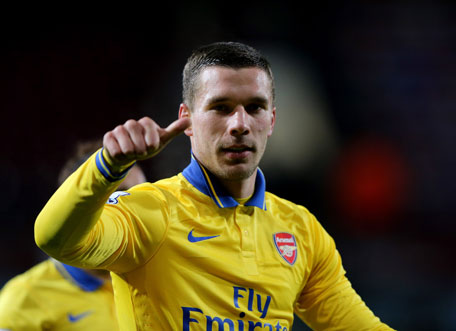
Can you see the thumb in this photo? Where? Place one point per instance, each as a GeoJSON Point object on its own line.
{"type": "Point", "coordinates": [174, 129]}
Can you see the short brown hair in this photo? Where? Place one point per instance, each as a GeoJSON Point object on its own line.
{"type": "Point", "coordinates": [226, 54]}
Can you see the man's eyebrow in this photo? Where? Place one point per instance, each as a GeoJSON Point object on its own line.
{"type": "Point", "coordinates": [260, 100]}
{"type": "Point", "coordinates": [214, 100]}
{"type": "Point", "coordinates": [257, 99]}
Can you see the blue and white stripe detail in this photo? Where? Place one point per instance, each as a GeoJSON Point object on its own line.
{"type": "Point", "coordinates": [103, 167]}
{"type": "Point", "coordinates": [207, 184]}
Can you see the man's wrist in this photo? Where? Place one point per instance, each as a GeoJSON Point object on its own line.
{"type": "Point", "coordinates": [111, 170]}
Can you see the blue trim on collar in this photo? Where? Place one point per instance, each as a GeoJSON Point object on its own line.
{"type": "Point", "coordinates": [83, 279]}
{"type": "Point", "coordinates": [208, 184]}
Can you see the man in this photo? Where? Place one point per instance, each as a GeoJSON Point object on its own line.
{"type": "Point", "coordinates": [55, 296]}
{"type": "Point", "coordinates": [209, 248]}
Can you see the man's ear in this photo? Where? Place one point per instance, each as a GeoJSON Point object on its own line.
{"type": "Point", "coordinates": [184, 111]}
{"type": "Point", "coordinates": [273, 118]}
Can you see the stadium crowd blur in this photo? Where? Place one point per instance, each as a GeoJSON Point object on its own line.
{"type": "Point", "coordinates": [365, 123]}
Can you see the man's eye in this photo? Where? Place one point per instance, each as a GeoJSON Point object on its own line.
{"type": "Point", "coordinates": [253, 107]}
{"type": "Point", "coordinates": [223, 108]}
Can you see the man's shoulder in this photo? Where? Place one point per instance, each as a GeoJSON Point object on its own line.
{"type": "Point", "coordinates": [278, 205]}
{"type": "Point", "coordinates": [154, 188]}
{"type": "Point", "coordinates": [38, 279]}
{"type": "Point", "coordinates": [274, 199]}
{"type": "Point", "coordinates": [177, 186]}
{"type": "Point", "coordinates": [34, 276]}
{"type": "Point", "coordinates": [162, 184]}
{"type": "Point", "coordinates": [293, 213]}
{"type": "Point", "coordinates": [166, 192]}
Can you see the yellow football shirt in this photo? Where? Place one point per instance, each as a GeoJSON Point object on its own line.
{"type": "Point", "coordinates": [186, 256]}
{"type": "Point", "coordinates": [54, 296]}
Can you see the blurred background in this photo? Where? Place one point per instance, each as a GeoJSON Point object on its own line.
{"type": "Point", "coordinates": [365, 123]}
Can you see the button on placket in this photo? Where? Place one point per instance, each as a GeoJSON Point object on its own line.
{"type": "Point", "coordinates": [243, 217]}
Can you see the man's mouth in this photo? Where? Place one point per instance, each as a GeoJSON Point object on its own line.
{"type": "Point", "coordinates": [238, 149]}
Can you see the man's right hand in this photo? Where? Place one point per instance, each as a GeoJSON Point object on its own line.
{"type": "Point", "coordinates": [139, 140]}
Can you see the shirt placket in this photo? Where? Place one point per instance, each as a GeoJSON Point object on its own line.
{"type": "Point", "coordinates": [244, 219]}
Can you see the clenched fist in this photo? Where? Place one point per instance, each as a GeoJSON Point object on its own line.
{"type": "Point", "coordinates": [139, 140]}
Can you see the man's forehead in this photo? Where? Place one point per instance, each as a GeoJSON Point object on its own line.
{"type": "Point", "coordinates": [221, 72]}
{"type": "Point", "coordinates": [215, 81]}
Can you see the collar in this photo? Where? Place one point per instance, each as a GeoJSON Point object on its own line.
{"type": "Point", "coordinates": [79, 277]}
{"type": "Point", "coordinates": [208, 184]}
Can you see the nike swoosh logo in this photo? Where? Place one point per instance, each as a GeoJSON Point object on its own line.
{"type": "Point", "coordinates": [194, 239]}
{"type": "Point", "coordinates": [74, 318]}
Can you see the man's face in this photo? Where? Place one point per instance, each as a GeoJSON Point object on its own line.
{"type": "Point", "coordinates": [232, 118]}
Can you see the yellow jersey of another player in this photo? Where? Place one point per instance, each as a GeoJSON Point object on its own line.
{"type": "Point", "coordinates": [187, 256]}
{"type": "Point", "coordinates": [54, 296]}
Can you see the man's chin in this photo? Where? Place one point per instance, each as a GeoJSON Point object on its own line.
{"type": "Point", "coordinates": [236, 172]}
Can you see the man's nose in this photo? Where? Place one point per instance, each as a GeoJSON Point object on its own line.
{"type": "Point", "coordinates": [238, 125]}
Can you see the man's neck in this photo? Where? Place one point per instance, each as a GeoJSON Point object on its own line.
{"type": "Point", "coordinates": [239, 189]}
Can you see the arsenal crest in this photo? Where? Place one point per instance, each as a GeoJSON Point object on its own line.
{"type": "Point", "coordinates": [286, 246]}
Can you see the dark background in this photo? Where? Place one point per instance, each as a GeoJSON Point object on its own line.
{"type": "Point", "coordinates": [364, 138]}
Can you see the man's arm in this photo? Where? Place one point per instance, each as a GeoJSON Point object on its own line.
{"type": "Point", "coordinates": [72, 214]}
{"type": "Point", "coordinates": [328, 301]}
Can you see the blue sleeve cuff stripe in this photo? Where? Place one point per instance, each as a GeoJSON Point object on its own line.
{"type": "Point", "coordinates": [105, 171]}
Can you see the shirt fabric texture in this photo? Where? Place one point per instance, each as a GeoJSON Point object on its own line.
{"type": "Point", "coordinates": [185, 255]}
{"type": "Point", "coordinates": [54, 296]}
